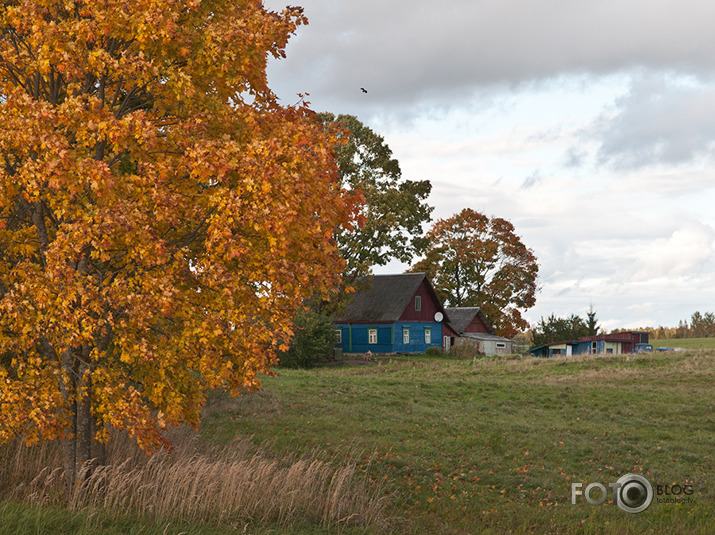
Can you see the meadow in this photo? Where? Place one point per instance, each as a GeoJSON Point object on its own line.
{"type": "Point", "coordinates": [416, 445]}
{"type": "Point", "coordinates": [686, 343]}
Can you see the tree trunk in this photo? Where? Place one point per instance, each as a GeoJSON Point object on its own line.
{"type": "Point", "coordinates": [68, 452]}
{"type": "Point", "coordinates": [83, 433]}
{"type": "Point", "coordinates": [67, 388]}
{"type": "Point", "coordinates": [99, 450]}
{"type": "Point", "coordinates": [77, 446]}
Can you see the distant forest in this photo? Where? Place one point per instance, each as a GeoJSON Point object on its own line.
{"type": "Point", "coordinates": [699, 326]}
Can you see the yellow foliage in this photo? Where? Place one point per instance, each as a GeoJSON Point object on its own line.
{"type": "Point", "coordinates": [161, 215]}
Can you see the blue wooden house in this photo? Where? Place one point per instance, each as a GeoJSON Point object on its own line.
{"type": "Point", "coordinates": [395, 314]}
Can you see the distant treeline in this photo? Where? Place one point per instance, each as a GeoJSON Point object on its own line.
{"type": "Point", "coordinates": [699, 326]}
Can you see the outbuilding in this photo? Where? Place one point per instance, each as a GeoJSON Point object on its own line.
{"type": "Point", "coordinates": [613, 344]}
{"type": "Point", "coordinates": [472, 327]}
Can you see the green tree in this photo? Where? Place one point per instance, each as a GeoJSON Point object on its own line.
{"type": "Point", "coordinates": [313, 340]}
{"type": "Point", "coordinates": [555, 329]}
{"type": "Point", "coordinates": [473, 260]}
{"type": "Point", "coordinates": [592, 322]}
{"type": "Point", "coordinates": [394, 210]}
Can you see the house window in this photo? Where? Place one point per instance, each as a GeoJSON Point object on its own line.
{"type": "Point", "coordinates": [594, 347]}
{"type": "Point", "coordinates": [372, 336]}
{"type": "Point", "coordinates": [428, 336]}
{"type": "Point", "coordinates": [405, 336]}
{"type": "Point", "coordinates": [501, 345]}
{"type": "Point", "coordinates": [338, 336]}
{"type": "Point", "coordinates": [555, 351]}
{"type": "Point", "coordinates": [418, 303]}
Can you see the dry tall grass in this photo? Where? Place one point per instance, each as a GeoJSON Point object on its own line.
{"type": "Point", "coordinates": [240, 483]}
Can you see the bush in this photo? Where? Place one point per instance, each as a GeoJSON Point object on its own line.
{"type": "Point", "coordinates": [313, 340]}
{"type": "Point", "coordinates": [433, 351]}
{"type": "Point", "coordinates": [465, 352]}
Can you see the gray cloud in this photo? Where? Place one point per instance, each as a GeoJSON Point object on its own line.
{"type": "Point", "coordinates": [424, 53]}
{"type": "Point", "coordinates": [442, 65]}
{"type": "Point", "coordinates": [574, 157]}
{"type": "Point", "coordinates": [531, 180]}
{"type": "Point", "coordinates": [661, 121]}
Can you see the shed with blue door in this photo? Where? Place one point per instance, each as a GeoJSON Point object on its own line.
{"type": "Point", "coordinates": [392, 314]}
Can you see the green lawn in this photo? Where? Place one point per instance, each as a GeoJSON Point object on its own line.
{"type": "Point", "coordinates": [23, 519]}
{"type": "Point", "coordinates": [478, 446]}
{"type": "Point", "coordinates": [473, 446]}
{"type": "Point", "coordinates": [686, 343]}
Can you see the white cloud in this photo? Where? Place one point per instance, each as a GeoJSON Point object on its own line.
{"type": "Point", "coordinates": [684, 251]}
{"type": "Point", "coordinates": [589, 125]}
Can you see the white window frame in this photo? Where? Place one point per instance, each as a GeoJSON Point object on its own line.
{"type": "Point", "coordinates": [372, 336]}
{"type": "Point", "coordinates": [405, 335]}
{"type": "Point", "coordinates": [338, 336]}
{"type": "Point", "coordinates": [501, 345]}
{"type": "Point", "coordinates": [428, 335]}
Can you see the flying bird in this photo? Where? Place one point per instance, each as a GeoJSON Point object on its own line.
{"type": "Point", "coordinates": [363, 90]}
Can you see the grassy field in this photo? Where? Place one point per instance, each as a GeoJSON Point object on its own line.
{"type": "Point", "coordinates": [467, 446]}
{"type": "Point", "coordinates": [686, 343]}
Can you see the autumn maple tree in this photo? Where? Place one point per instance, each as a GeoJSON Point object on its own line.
{"type": "Point", "coordinates": [477, 261]}
{"type": "Point", "coordinates": [161, 216]}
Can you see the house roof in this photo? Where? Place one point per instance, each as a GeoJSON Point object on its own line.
{"type": "Point", "coordinates": [460, 318]}
{"type": "Point", "coordinates": [613, 337]}
{"type": "Point", "coordinates": [385, 300]}
{"type": "Point", "coordinates": [486, 337]}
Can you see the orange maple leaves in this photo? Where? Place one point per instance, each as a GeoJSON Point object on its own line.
{"type": "Point", "coordinates": [161, 216]}
{"type": "Point", "coordinates": [477, 261]}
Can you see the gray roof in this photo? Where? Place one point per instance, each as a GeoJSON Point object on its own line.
{"type": "Point", "coordinates": [486, 337]}
{"type": "Point", "coordinates": [460, 318]}
{"type": "Point", "coordinates": [384, 301]}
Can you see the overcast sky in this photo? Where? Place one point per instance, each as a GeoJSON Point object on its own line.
{"type": "Point", "coordinates": [589, 125]}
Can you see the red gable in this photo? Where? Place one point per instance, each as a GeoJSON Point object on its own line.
{"type": "Point", "coordinates": [426, 301]}
{"type": "Point", "coordinates": [476, 326]}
